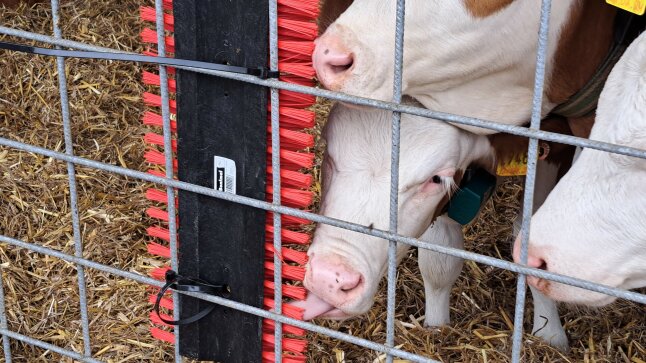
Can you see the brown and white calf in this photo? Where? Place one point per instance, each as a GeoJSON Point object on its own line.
{"type": "Point", "coordinates": [473, 58]}
{"type": "Point", "coordinates": [592, 224]}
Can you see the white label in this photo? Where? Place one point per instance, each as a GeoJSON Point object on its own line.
{"type": "Point", "coordinates": [225, 174]}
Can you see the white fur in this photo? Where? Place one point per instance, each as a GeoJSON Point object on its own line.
{"type": "Point", "coordinates": [440, 271]}
{"type": "Point", "coordinates": [356, 184]}
{"type": "Point", "coordinates": [453, 61]}
{"type": "Point", "coordinates": [592, 224]}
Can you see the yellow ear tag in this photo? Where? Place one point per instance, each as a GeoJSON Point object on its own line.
{"type": "Point", "coordinates": [516, 167]}
{"type": "Point", "coordinates": [634, 6]}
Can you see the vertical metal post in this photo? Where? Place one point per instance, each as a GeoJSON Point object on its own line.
{"type": "Point", "coordinates": [3, 323]}
{"type": "Point", "coordinates": [275, 164]}
{"type": "Point", "coordinates": [71, 173]}
{"type": "Point", "coordinates": [528, 197]}
{"type": "Point", "coordinates": [394, 177]}
{"type": "Point", "coordinates": [168, 157]}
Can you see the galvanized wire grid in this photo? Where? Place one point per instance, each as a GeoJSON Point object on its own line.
{"type": "Point", "coordinates": [391, 235]}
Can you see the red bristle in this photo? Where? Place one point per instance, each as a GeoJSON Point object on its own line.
{"type": "Point", "coordinates": [157, 157]}
{"type": "Point", "coordinates": [287, 235]}
{"type": "Point", "coordinates": [288, 254]}
{"type": "Point", "coordinates": [290, 344]}
{"type": "Point", "coordinates": [156, 139]}
{"type": "Point", "coordinates": [153, 119]}
{"type": "Point", "coordinates": [308, 9]}
{"type": "Point", "coordinates": [290, 178]}
{"type": "Point", "coordinates": [158, 250]}
{"type": "Point", "coordinates": [157, 195]}
{"type": "Point", "coordinates": [297, 29]}
{"type": "Point", "coordinates": [153, 79]}
{"type": "Point", "coordinates": [289, 271]}
{"type": "Point", "coordinates": [304, 70]}
{"type": "Point", "coordinates": [287, 221]}
{"type": "Point", "coordinates": [155, 101]}
{"type": "Point", "coordinates": [292, 197]}
{"type": "Point", "coordinates": [269, 325]}
{"type": "Point", "coordinates": [168, 4]}
{"type": "Point", "coordinates": [295, 51]}
{"type": "Point", "coordinates": [159, 232]}
{"type": "Point", "coordinates": [293, 292]}
{"type": "Point", "coordinates": [165, 302]}
{"type": "Point", "coordinates": [309, 82]}
{"type": "Point", "coordinates": [163, 335]}
{"type": "Point", "coordinates": [293, 99]}
{"type": "Point", "coordinates": [150, 36]}
{"type": "Point", "coordinates": [269, 356]}
{"type": "Point", "coordinates": [156, 320]}
{"type": "Point", "coordinates": [288, 310]}
{"type": "Point", "coordinates": [159, 273]}
{"type": "Point", "coordinates": [293, 159]}
{"type": "Point", "coordinates": [295, 139]}
{"type": "Point", "coordinates": [296, 118]}
{"type": "Point", "coordinates": [149, 14]}
{"type": "Point", "coordinates": [157, 214]}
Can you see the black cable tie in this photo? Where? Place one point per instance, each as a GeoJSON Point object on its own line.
{"type": "Point", "coordinates": [260, 72]}
{"type": "Point", "coordinates": [180, 283]}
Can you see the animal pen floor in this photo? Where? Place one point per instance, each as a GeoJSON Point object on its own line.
{"type": "Point", "coordinates": [106, 105]}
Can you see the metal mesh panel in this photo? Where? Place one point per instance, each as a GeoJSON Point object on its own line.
{"type": "Point", "coordinates": [391, 235]}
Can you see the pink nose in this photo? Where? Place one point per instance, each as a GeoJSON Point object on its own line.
{"type": "Point", "coordinates": [332, 62]}
{"type": "Point", "coordinates": [331, 278]}
{"type": "Point", "coordinates": [534, 260]}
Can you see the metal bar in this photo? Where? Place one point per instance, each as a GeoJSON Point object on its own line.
{"type": "Point", "coordinates": [530, 179]}
{"type": "Point", "coordinates": [3, 323]}
{"type": "Point", "coordinates": [412, 110]}
{"type": "Point", "coordinates": [491, 261]}
{"type": "Point", "coordinates": [71, 174]}
{"type": "Point", "coordinates": [394, 176]}
{"type": "Point", "coordinates": [214, 299]}
{"type": "Point", "coordinates": [47, 346]}
{"type": "Point", "coordinates": [275, 165]}
{"type": "Point", "coordinates": [168, 158]}
{"type": "Point", "coordinates": [390, 106]}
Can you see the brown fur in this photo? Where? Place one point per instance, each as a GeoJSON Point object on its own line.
{"type": "Point", "coordinates": [585, 41]}
{"type": "Point", "coordinates": [330, 11]}
{"type": "Point", "coordinates": [484, 8]}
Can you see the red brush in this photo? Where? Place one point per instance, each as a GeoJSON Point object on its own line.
{"type": "Point", "coordinates": [297, 30]}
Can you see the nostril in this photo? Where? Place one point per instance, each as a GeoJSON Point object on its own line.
{"type": "Point", "coordinates": [352, 283]}
{"type": "Point", "coordinates": [339, 63]}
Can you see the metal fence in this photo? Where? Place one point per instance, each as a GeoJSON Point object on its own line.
{"type": "Point", "coordinates": [532, 132]}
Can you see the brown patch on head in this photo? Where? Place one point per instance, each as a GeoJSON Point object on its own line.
{"type": "Point", "coordinates": [484, 8]}
{"type": "Point", "coordinates": [330, 11]}
{"type": "Point", "coordinates": [583, 44]}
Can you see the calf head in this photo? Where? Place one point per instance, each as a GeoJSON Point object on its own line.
{"type": "Point", "coordinates": [345, 267]}
{"type": "Point", "coordinates": [591, 225]}
{"type": "Point", "coordinates": [470, 57]}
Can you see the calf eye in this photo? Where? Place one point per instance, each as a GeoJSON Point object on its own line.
{"type": "Point", "coordinates": [436, 179]}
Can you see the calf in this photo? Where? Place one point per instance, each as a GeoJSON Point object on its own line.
{"type": "Point", "coordinates": [345, 267]}
{"type": "Point", "coordinates": [592, 224]}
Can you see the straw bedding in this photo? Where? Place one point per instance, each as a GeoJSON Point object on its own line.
{"type": "Point", "coordinates": [105, 100]}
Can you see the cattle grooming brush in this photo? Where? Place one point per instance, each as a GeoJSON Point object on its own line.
{"type": "Point", "coordinates": [218, 142]}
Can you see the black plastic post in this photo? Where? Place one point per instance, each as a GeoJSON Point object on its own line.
{"type": "Point", "coordinates": [222, 242]}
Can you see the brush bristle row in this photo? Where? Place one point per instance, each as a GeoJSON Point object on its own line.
{"type": "Point", "coordinates": [297, 30]}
